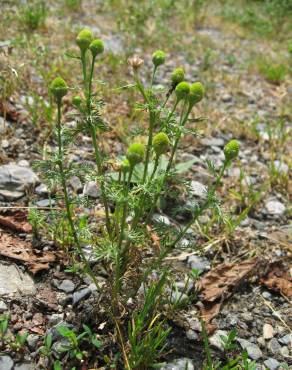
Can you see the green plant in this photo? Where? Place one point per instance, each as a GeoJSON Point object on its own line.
{"type": "Point", "coordinates": [75, 342]}
{"type": "Point", "coordinates": [33, 15]}
{"type": "Point", "coordinates": [129, 199]}
{"type": "Point", "coordinates": [8, 341]}
{"type": "Point", "coordinates": [274, 73]}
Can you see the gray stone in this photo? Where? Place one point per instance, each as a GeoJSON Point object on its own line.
{"type": "Point", "coordinates": [198, 263]}
{"type": "Point", "coordinates": [91, 190]}
{"type": "Point", "coordinates": [285, 352]}
{"type": "Point", "coordinates": [114, 44]}
{"type": "Point", "coordinates": [161, 219]}
{"type": "Point", "coordinates": [42, 190]}
{"type": "Point", "coordinates": [5, 144]}
{"type": "Point", "coordinates": [198, 190]}
{"type": "Point", "coordinates": [216, 341]}
{"type": "Point", "coordinates": [76, 184]}
{"type": "Point", "coordinates": [178, 297]}
{"type": "Point", "coordinates": [192, 335]}
{"type": "Point", "coordinates": [15, 180]}
{"type": "Point", "coordinates": [45, 202]}
{"type": "Point", "coordinates": [213, 141]}
{"type": "Point", "coordinates": [67, 286]}
{"type": "Point", "coordinates": [179, 364]}
{"type": "Point", "coordinates": [275, 208]}
{"type": "Point", "coordinates": [252, 349]}
{"type": "Point", "coordinates": [80, 295]}
{"type": "Point", "coordinates": [267, 295]}
{"type": "Point", "coordinates": [281, 167]}
{"type": "Point", "coordinates": [272, 364]}
{"type": "Point", "coordinates": [226, 98]}
{"type": "Point", "coordinates": [268, 331]}
{"type": "Point", "coordinates": [3, 306]}
{"type": "Point", "coordinates": [274, 346]}
{"type": "Point", "coordinates": [287, 339]}
{"type": "Point", "coordinates": [56, 318]}
{"type": "Point", "coordinates": [6, 363]}
{"type": "Point", "coordinates": [32, 340]}
{"type": "Point", "coordinates": [25, 366]}
{"type": "Point", "coordinates": [13, 280]}
{"type": "Point", "coordinates": [183, 286]}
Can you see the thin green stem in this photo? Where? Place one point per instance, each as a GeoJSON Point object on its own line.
{"type": "Point", "coordinates": [149, 144]}
{"type": "Point", "coordinates": [100, 172]}
{"type": "Point", "coordinates": [67, 200]}
{"type": "Point", "coordinates": [93, 137]}
{"type": "Point", "coordinates": [153, 76]}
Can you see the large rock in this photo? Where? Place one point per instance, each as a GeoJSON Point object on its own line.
{"type": "Point", "coordinates": [6, 363]}
{"type": "Point", "coordinates": [13, 281]}
{"type": "Point", "coordinates": [15, 181]}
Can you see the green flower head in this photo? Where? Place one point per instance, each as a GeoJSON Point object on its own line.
{"type": "Point", "coordinates": [182, 90]}
{"type": "Point", "coordinates": [158, 58]}
{"type": "Point", "coordinates": [125, 165]}
{"type": "Point", "coordinates": [177, 76]}
{"type": "Point", "coordinates": [58, 88]}
{"type": "Point", "coordinates": [231, 150]}
{"type": "Point", "coordinates": [84, 39]}
{"type": "Point", "coordinates": [135, 154]}
{"type": "Point", "coordinates": [76, 101]}
{"type": "Point", "coordinates": [161, 143]}
{"type": "Point", "coordinates": [197, 92]}
{"type": "Point", "coordinates": [96, 47]}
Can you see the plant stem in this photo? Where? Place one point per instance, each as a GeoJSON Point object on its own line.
{"type": "Point", "coordinates": [93, 137]}
{"type": "Point", "coordinates": [100, 172]}
{"type": "Point", "coordinates": [67, 200]}
{"type": "Point", "coordinates": [182, 123]}
{"type": "Point", "coordinates": [121, 237]}
{"type": "Point", "coordinates": [149, 144]}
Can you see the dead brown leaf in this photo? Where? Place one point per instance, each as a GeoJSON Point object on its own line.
{"type": "Point", "coordinates": [221, 281]}
{"type": "Point", "coordinates": [20, 250]}
{"type": "Point", "coordinates": [15, 220]}
{"type": "Point", "coordinates": [219, 284]}
{"type": "Point", "coordinates": [278, 279]}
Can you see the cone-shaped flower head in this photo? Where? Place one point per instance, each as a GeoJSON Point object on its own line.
{"type": "Point", "coordinates": [182, 90]}
{"type": "Point", "coordinates": [177, 76]}
{"type": "Point", "coordinates": [231, 150]}
{"type": "Point", "coordinates": [197, 92]}
{"type": "Point", "coordinates": [76, 101]}
{"type": "Point", "coordinates": [125, 165]}
{"type": "Point", "coordinates": [158, 58]}
{"type": "Point", "coordinates": [135, 153]}
{"type": "Point", "coordinates": [161, 143]}
{"type": "Point", "coordinates": [96, 47]}
{"type": "Point", "coordinates": [135, 62]}
{"type": "Point", "coordinates": [58, 88]}
{"type": "Point", "coordinates": [83, 39]}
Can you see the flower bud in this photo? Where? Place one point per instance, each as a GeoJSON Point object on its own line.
{"type": "Point", "coordinates": [76, 101]}
{"type": "Point", "coordinates": [182, 90]}
{"type": "Point", "coordinates": [177, 76]}
{"type": "Point", "coordinates": [135, 153]}
{"type": "Point", "coordinates": [197, 92]}
{"type": "Point", "coordinates": [58, 88]}
{"type": "Point", "coordinates": [135, 62]}
{"type": "Point", "coordinates": [96, 47]}
{"type": "Point", "coordinates": [125, 165]}
{"type": "Point", "coordinates": [158, 58]}
{"type": "Point", "coordinates": [84, 39]}
{"type": "Point", "coordinates": [161, 143]}
{"type": "Point", "coordinates": [231, 150]}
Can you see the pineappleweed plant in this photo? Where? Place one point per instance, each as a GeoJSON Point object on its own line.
{"type": "Point", "coordinates": [129, 197]}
